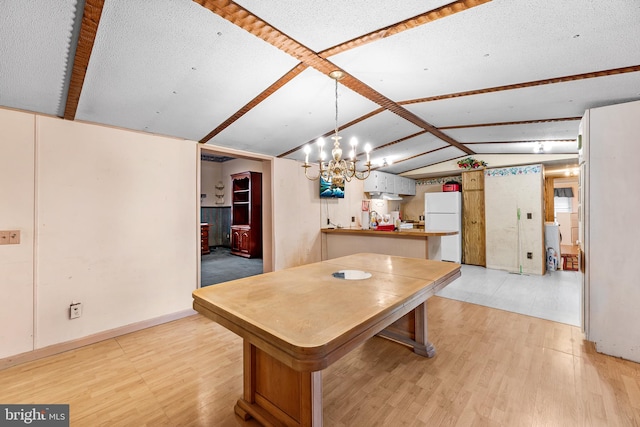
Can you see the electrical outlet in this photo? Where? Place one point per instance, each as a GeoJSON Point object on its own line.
{"type": "Point", "coordinates": [529, 215]}
{"type": "Point", "coordinates": [328, 221]}
{"type": "Point", "coordinates": [14, 237]}
{"type": "Point", "coordinates": [75, 310]}
{"type": "Point", "coordinates": [10, 237]}
{"type": "Point", "coordinates": [529, 255]}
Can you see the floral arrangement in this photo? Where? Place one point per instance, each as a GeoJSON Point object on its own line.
{"type": "Point", "coordinates": [471, 163]}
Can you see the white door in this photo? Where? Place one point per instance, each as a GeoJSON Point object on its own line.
{"type": "Point", "coordinates": [445, 202]}
{"type": "Point", "coordinates": [450, 246]}
{"type": "Point", "coordinates": [442, 222]}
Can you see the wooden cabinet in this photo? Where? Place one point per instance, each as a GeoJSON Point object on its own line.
{"type": "Point", "coordinates": [241, 240]}
{"type": "Point", "coordinates": [473, 226]}
{"type": "Point", "coordinates": [473, 180]}
{"type": "Point", "coordinates": [204, 238]}
{"type": "Point", "coordinates": [246, 214]}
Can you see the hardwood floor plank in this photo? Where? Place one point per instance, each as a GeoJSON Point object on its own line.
{"type": "Point", "coordinates": [492, 368]}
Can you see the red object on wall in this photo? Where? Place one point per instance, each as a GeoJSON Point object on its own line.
{"type": "Point", "coordinates": [450, 187]}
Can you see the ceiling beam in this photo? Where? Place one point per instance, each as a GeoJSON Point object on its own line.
{"type": "Point", "coordinates": [407, 24]}
{"type": "Point", "coordinates": [520, 122]}
{"type": "Point", "coordinates": [88, 29]}
{"type": "Point", "coordinates": [570, 78]}
{"type": "Point", "coordinates": [244, 19]}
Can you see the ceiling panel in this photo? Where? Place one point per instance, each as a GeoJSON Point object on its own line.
{"type": "Point", "coordinates": [408, 148]}
{"type": "Point", "coordinates": [37, 40]}
{"type": "Point", "coordinates": [418, 162]}
{"type": "Point", "coordinates": [561, 100]}
{"type": "Point", "coordinates": [323, 24]}
{"type": "Point", "coordinates": [301, 111]}
{"type": "Point", "coordinates": [498, 43]}
{"type": "Point", "coordinates": [173, 67]}
{"type": "Point", "coordinates": [380, 129]}
{"type": "Point", "coordinates": [523, 132]}
{"type": "Point", "coordinates": [550, 147]}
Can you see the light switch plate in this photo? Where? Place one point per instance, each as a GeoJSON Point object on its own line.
{"type": "Point", "coordinates": [5, 236]}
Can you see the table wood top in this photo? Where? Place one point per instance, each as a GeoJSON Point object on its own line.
{"type": "Point", "coordinates": [305, 313]}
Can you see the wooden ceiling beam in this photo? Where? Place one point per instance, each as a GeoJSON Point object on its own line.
{"type": "Point", "coordinates": [88, 30]}
{"type": "Point", "coordinates": [520, 122]}
{"type": "Point", "coordinates": [407, 24]}
{"type": "Point", "coordinates": [570, 78]}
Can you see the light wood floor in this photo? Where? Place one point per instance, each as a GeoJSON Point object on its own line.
{"type": "Point", "coordinates": [493, 368]}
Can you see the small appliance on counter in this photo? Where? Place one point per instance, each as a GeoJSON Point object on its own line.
{"type": "Point", "coordinates": [385, 227]}
{"type": "Point", "coordinates": [451, 186]}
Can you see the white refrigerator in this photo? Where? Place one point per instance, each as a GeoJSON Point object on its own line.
{"type": "Point", "coordinates": [443, 212]}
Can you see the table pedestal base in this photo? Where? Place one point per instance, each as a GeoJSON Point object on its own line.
{"type": "Point", "coordinates": [277, 395]}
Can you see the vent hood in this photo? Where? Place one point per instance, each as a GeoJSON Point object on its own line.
{"type": "Point", "coordinates": [384, 196]}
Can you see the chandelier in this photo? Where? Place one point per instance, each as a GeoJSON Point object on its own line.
{"type": "Point", "coordinates": [337, 170]}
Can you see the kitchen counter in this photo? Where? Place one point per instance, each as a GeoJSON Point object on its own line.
{"type": "Point", "coordinates": [412, 243]}
{"type": "Point", "coordinates": [412, 233]}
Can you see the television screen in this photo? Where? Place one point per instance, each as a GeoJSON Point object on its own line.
{"type": "Point", "coordinates": [329, 190]}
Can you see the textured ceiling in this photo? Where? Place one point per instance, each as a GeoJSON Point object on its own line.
{"type": "Point", "coordinates": [427, 81]}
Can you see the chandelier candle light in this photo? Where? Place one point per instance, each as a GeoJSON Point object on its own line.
{"type": "Point", "coordinates": [337, 170]}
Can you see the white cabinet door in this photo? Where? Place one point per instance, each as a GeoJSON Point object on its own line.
{"type": "Point", "coordinates": [372, 183]}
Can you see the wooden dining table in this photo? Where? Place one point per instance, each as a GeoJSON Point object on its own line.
{"type": "Point", "coordinates": [297, 321]}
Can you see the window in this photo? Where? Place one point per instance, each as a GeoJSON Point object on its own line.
{"type": "Point", "coordinates": [562, 204]}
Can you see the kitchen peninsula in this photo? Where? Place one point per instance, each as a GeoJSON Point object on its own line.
{"type": "Point", "coordinates": [424, 244]}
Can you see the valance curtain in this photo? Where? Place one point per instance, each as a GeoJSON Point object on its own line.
{"type": "Point", "coordinates": [563, 192]}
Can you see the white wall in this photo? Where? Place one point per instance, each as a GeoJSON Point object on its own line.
{"type": "Point", "coordinates": [508, 240]}
{"type": "Point", "coordinates": [211, 174]}
{"type": "Point", "coordinates": [17, 146]}
{"type": "Point", "coordinates": [340, 211]}
{"type": "Point", "coordinates": [108, 218]}
{"type": "Point", "coordinates": [116, 222]}
{"type": "Point", "coordinates": [296, 216]}
{"type": "Point", "coordinates": [613, 250]}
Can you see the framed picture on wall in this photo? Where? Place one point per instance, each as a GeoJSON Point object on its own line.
{"type": "Point", "coordinates": [331, 191]}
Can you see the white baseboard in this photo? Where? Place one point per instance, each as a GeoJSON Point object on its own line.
{"type": "Point", "coordinates": [91, 339]}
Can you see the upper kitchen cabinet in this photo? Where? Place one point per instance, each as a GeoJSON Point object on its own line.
{"type": "Point", "coordinates": [473, 180]}
{"type": "Point", "coordinates": [382, 182]}
{"type": "Point", "coordinates": [405, 186]}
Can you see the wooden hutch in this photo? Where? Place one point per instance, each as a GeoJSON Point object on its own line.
{"type": "Point", "coordinates": [246, 214]}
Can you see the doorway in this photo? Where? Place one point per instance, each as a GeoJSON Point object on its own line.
{"type": "Point", "coordinates": [216, 264]}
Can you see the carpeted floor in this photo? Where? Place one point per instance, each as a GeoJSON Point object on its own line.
{"type": "Point", "coordinates": [220, 266]}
